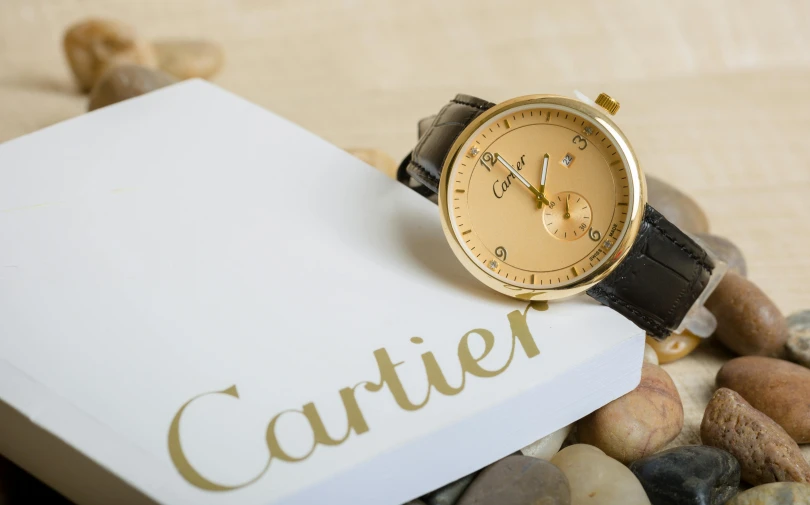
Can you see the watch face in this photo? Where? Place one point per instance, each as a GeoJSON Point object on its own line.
{"type": "Point", "coordinates": [540, 196]}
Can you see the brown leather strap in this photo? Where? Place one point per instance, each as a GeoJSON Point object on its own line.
{"type": "Point", "coordinates": [654, 286]}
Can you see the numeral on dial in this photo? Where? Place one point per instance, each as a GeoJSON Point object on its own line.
{"type": "Point", "coordinates": [594, 235]}
{"type": "Point", "coordinates": [581, 142]}
{"type": "Point", "coordinates": [488, 160]}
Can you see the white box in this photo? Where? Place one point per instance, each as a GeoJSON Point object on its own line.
{"type": "Point", "coordinates": [178, 270]}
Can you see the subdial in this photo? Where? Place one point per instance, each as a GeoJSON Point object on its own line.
{"type": "Point", "coordinates": [568, 217]}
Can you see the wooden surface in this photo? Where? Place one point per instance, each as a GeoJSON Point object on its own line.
{"type": "Point", "coordinates": [715, 94]}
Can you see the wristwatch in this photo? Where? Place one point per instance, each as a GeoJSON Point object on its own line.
{"type": "Point", "coordinates": [541, 197]}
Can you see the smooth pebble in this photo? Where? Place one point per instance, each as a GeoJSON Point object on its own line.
{"type": "Point", "coordinates": [595, 478]}
{"type": "Point", "coordinates": [187, 59]}
{"type": "Point", "coordinates": [518, 480]}
{"type": "Point", "coordinates": [638, 423]}
{"type": "Point", "coordinates": [93, 46]}
{"type": "Point", "coordinates": [748, 322]}
{"type": "Point", "coordinates": [547, 446]}
{"type": "Point", "coordinates": [779, 389]}
{"type": "Point", "coordinates": [124, 82]}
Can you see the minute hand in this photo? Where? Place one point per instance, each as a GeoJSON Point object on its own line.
{"type": "Point", "coordinates": [522, 179]}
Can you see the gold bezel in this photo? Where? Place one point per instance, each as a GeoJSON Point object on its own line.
{"type": "Point", "coordinates": [635, 213]}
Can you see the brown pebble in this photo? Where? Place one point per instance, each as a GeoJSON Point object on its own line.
{"type": "Point", "coordinates": [777, 388]}
{"type": "Point", "coordinates": [94, 46]}
{"type": "Point", "coordinates": [640, 422]}
{"type": "Point", "coordinates": [124, 82]}
{"type": "Point", "coordinates": [680, 209]}
{"type": "Point", "coordinates": [765, 451]}
{"type": "Point", "coordinates": [726, 251]}
{"type": "Point", "coordinates": [187, 59]}
{"type": "Point", "coordinates": [674, 347]}
{"type": "Point", "coordinates": [748, 322]}
{"type": "Point", "coordinates": [377, 159]}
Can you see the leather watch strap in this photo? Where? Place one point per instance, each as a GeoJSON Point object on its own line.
{"type": "Point", "coordinates": [654, 286]}
{"type": "Point", "coordinates": [422, 169]}
{"type": "Point", "coordinates": [659, 280]}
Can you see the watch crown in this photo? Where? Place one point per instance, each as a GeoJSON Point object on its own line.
{"type": "Point", "coordinates": [607, 103]}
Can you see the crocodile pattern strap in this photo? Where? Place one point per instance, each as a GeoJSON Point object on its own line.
{"type": "Point", "coordinates": [660, 279]}
{"type": "Point", "coordinates": [422, 169]}
{"type": "Point", "coordinates": [654, 286]}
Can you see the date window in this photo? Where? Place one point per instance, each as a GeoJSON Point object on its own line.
{"type": "Point", "coordinates": [568, 160]}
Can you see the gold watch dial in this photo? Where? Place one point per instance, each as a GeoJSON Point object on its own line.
{"type": "Point", "coordinates": [539, 196]}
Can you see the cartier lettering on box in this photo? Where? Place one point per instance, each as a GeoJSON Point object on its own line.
{"type": "Point", "coordinates": [355, 421]}
{"type": "Point", "coordinates": [176, 331]}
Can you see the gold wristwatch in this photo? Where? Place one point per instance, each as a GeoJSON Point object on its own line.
{"type": "Point", "coordinates": [541, 197]}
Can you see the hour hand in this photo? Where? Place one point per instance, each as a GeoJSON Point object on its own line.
{"type": "Point", "coordinates": [522, 179]}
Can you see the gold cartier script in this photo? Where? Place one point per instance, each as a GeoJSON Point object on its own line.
{"type": "Point", "coordinates": [356, 421]}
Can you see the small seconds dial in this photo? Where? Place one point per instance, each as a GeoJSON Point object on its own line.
{"type": "Point", "coordinates": [568, 216]}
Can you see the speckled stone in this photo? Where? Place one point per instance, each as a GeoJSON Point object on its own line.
{"type": "Point", "coordinates": [597, 479]}
{"type": "Point", "coordinates": [518, 480]}
{"type": "Point", "coordinates": [677, 207]}
{"type": "Point", "coordinates": [93, 46]}
{"type": "Point", "coordinates": [689, 475]}
{"type": "Point", "coordinates": [798, 342]}
{"type": "Point", "coordinates": [777, 493]}
{"type": "Point", "coordinates": [726, 251]}
{"type": "Point", "coordinates": [777, 388]}
{"type": "Point", "coordinates": [748, 322]}
{"type": "Point", "coordinates": [547, 446]}
{"type": "Point", "coordinates": [187, 59]}
{"type": "Point", "coordinates": [638, 423]}
{"type": "Point", "coordinates": [124, 82]}
{"type": "Point", "coordinates": [765, 451]}
{"type": "Point", "coordinates": [450, 493]}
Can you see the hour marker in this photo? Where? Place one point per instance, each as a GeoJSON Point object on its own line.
{"type": "Point", "coordinates": [588, 130]}
{"type": "Point", "coordinates": [615, 162]}
{"type": "Point", "coordinates": [459, 191]}
{"type": "Point", "coordinates": [574, 269]}
{"type": "Point", "coordinates": [473, 151]}
{"type": "Point", "coordinates": [533, 281]}
{"type": "Point", "coordinates": [466, 232]}
{"type": "Point", "coordinates": [622, 204]}
{"type": "Point", "coordinates": [506, 123]}
{"type": "Point", "coordinates": [548, 116]}
{"type": "Point", "coordinates": [493, 264]}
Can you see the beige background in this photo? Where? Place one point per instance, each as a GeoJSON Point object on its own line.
{"type": "Point", "coordinates": [715, 94]}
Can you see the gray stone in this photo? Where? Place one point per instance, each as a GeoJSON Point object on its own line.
{"type": "Point", "coordinates": [449, 494]}
{"type": "Point", "coordinates": [518, 480]}
{"type": "Point", "coordinates": [124, 82]}
{"type": "Point", "coordinates": [798, 343]}
{"type": "Point", "coordinates": [694, 475]}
